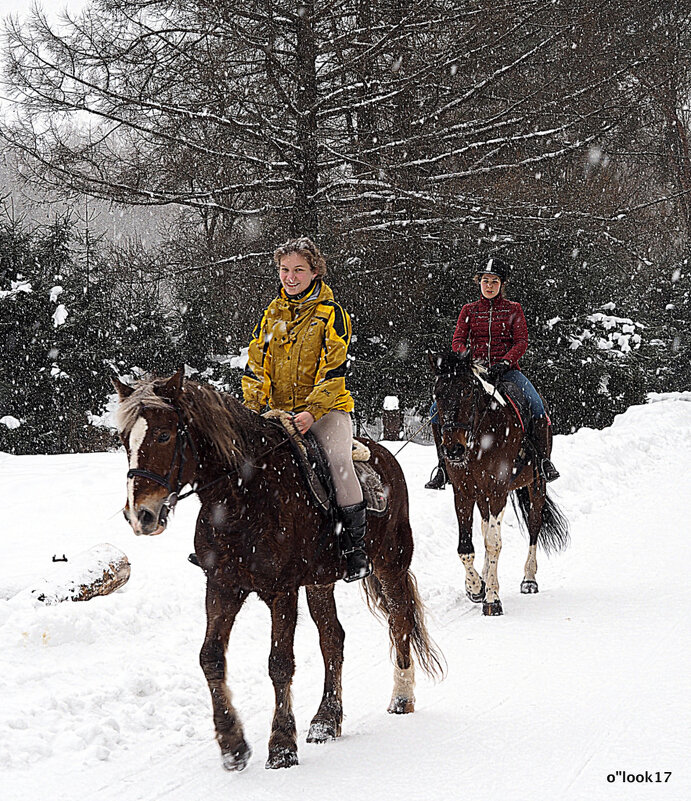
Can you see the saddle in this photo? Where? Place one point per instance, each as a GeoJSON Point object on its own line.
{"type": "Point", "coordinates": [518, 401]}
{"type": "Point", "coordinates": [314, 468]}
{"type": "Point", "coordinates": [515, 396]}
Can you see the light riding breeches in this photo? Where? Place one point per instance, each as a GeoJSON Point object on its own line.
{"type": "Point", "coordinates": [334, 432]}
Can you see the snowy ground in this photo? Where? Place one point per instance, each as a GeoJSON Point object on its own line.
{"type": "Point", "coordinates": [105, 699]}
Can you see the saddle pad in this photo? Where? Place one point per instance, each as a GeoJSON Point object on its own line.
{"type": "Point", "coordinates": [315, 470]}
{"type": "Point", "coordinates": [514, 394]}
{"type": "Point", "coordinates": [372, 488]}
{"type": "Point", "coordinates": [361, 452]}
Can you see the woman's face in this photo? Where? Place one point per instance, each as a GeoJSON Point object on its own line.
{"type": "Point", "coordinates": [295, 273]}
{"type": "Point", "coordinates": [490, 285]}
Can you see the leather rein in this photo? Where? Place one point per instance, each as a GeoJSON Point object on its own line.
{"type": "Point", "coordinates": [473, 425]}
{"type": "Point", "coordinates": [182, 439]}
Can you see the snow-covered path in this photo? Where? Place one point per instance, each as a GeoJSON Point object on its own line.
{"type": "Point", "coordinates": [106, 699]}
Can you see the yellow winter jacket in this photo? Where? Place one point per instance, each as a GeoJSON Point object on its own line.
{"type": "Point", "coordinates": [298, 355]}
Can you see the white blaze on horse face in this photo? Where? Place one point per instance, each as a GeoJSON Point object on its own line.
{"type": "Point", "coordinates": [137, 435]}
{"type": "Point", "coordinates": [487, 440]}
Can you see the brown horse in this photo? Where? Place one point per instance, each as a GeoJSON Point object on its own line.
{"type": "Point", "coordinates": [481, 441]}
{"type": "Point", "coordinates": [257, 531]}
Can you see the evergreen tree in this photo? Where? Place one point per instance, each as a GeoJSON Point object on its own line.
{"type": "Point", "coordinates": [65, 332]}
{"type": "Point", "coordinates": [411, 140]}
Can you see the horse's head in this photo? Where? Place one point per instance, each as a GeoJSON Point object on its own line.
{"type": "Point", "coordinates": [158, 448]}
{"type": "Point", "coordinates": [455, 393]}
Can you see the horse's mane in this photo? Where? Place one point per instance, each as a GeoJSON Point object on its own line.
{"type": "Point", "coordinates": [216, 416]}
{"type": "Point", "coordinates": [143, 395]}
{"type": "Point", "coordinates": [451, 364]}
{"type": "Point", "coordinates": [219, 417]}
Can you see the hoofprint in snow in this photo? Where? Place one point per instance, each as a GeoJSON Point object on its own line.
{"type": "Point", "coordinates": [572, 688]}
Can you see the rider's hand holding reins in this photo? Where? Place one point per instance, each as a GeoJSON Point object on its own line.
{"type": "Point", "coordinates": [497, 370]}
{"type": "Point", "coordinates": [303, 421]}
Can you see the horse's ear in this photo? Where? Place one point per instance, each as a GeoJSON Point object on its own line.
{"type": "Point", "coordinates": [123, 390]}
{"type": "Point", "coordinates": [435, 361]}
{"type": "Point", "coordinates": [173, 386]}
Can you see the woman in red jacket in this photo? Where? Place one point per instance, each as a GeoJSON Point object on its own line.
{"type": "Point", "coordinates": [495, 332]}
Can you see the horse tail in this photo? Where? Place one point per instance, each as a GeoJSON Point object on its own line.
{"type": "Point", "coordinates": [554, 532]}
{"type": "Point", "coordinates": [428, 655]}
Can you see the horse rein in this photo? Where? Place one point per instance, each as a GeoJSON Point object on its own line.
{"type": "Point", "coordinates": [471, 428]}
{"type": "Point", "coordinates": [412, 436]}
{"type": "Point", "coordinates": [455, 425]}
{"type": "Point", "coordinates": [229, 472]}
{"type": "Point", "coordinates": [182, 439]}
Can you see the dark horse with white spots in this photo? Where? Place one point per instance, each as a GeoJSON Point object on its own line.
{"type": "Point", "coordinates": [481, 439]}
{"type": "Point", "coordinates": [258, 532]}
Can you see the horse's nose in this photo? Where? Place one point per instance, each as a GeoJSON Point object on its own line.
{"type": "Point", "coordinates": [146, 518]}
{"type": "Point", "coordinates": [455, 452]}
{"type": "Point", "coordinates": [144, 521]}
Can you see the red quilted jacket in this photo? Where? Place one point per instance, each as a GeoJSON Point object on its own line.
{"type": "Point", "coordinates": [492, 330]}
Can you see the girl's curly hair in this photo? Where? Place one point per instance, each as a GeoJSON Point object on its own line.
{"type": "Point", "coordinates": [307, 249]}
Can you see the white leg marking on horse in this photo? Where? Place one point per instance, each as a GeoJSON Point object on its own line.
{"type": "Point", "coordinates": [492, 532]}
{"type": "Point", "coordinates": [224, 698]}
{"type": "Point", "coordinates": [137, 435]}
{"type": "Point", "coordinates": [473, 582]}
{"type": "Point", "coordinates": [483, 529]}
{"type": "Point", "coordinates": [531, 563]}
{"type": "Point", "coordinates": [403, 688]}
{"type": "Point", "coordinates": [404, 681]}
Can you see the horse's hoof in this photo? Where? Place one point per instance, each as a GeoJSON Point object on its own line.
{"type": "Point", "coordinates": [401, 706]}
{"type": "Point", "coordinates": [238, 759]}
{"type": "Point", "coordinates": [321, 731]}
{"type": "Point", "coordinates": [281, 758]}
{"type": "Point", "coordinates": [492, 609]}
{"type": "Point", "coordinates": [529, 587]}
{"type": "Point", "coordinates": [477, 597]}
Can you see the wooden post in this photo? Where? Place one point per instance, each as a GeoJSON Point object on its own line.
{"type": "Point", "coordinates": [392, 418]}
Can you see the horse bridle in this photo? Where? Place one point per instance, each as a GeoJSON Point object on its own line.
{"type": "Point", "coordinates": [182, 439]}
{"type": "Point", "coordinates": [473, 425]}
{"type": "Point", "coordinates": [455, 425]}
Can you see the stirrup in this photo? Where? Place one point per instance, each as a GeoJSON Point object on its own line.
{"type": "Point", "coordinates": [438, 479]}
{"type": "Point", "coordinates": [548, 471]}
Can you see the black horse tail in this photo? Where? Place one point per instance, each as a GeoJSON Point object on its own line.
{"type": "Point", "coordinates": [554, 533]}
{"type": "Point", "coordinates": [429, 656]}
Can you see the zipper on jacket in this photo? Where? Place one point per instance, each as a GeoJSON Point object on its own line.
{"type": "Point", "coordinates": [489, 338]}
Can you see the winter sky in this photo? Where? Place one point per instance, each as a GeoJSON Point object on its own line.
{"type": "Point", "coordinates": [51, 7]}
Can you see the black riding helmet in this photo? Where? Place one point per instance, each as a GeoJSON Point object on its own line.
{"type": "Point", "coordinates": [494, 266]}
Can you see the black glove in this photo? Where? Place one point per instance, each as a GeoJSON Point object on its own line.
{"type": "Point", "coordinates": [497, 370]}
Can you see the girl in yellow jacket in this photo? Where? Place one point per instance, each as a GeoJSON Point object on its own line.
{"type": "Point", "coordinates": [297, 362]}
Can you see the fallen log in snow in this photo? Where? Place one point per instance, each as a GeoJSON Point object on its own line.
{"type": "Point", "coordinates": [97, 571]}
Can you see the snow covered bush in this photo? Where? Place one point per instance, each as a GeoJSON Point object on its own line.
{"type": "Point", "coordinates": [599, 371]}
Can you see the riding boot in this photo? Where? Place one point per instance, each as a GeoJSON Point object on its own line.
{"type": "Point", "coordinates": [352, 536]}
{"type": "Point", "coordinates": [541, 437]}
{"type": "Point", "coordinates": [438, 478]}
